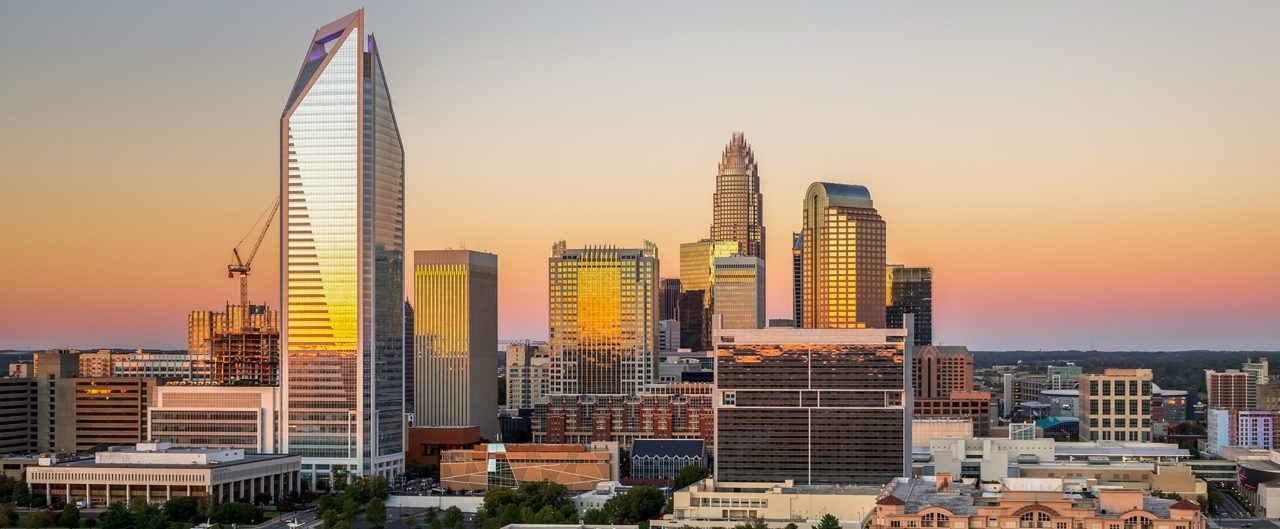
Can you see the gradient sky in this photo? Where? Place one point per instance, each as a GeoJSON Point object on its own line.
{"type": "Point", "coordinates": [1076, 173]}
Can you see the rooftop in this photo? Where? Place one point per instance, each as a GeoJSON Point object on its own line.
{"type": "Point", "coordinates": [667, 448]}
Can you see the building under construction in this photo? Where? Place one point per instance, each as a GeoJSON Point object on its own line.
{"type": "Point", "coordinates": [241, 344]}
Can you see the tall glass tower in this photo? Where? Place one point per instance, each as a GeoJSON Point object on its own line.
{"type": "Point", "coordinates": [342, 259]}
{"type": "Point", "coordinates": [843, 249]}
{"type": "Point", "coordinates": [737, 207]}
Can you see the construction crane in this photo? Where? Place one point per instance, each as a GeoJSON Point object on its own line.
{"type": "Point", "coordinates": [242, 267]}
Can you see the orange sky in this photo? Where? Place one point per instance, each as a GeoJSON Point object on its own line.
{"type": "Point", "coordinates": [1074, 174]}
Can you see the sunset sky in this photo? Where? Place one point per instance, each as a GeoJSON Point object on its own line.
{"type": "Point", "coordinates": [1076, 173]}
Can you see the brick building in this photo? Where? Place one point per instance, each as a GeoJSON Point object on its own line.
{"type": "Point", "coordinates": [581, 419]}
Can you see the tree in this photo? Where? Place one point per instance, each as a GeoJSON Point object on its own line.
{"type": "Point", "coordinates": [379, 487]}
{"type": "Point", "coordinates": [70, 516]}
{"type": "Point", "coordinates": [22, 493]}
{"type": "Point", "coordinates": [689, 475]}
{"type": "Point", "coordinates": [635, 505]}
{"type": "Point", "coordinates": [754, 523]}
{"type": "Point", "coordinates": [339, 478]}
{"type": "Point", "coordinates": [37, 519]}
{"type": "Point", "coordinates": [791, 526]}
{"type": "Point", "coordinates": [411, 522]}
{"type": "Point", "coordinates": [595, 517]}
{"type": "Point", "coordinates": [116, 517]}
{"type": "Point", "coordinates": [182, 509]}
{"type": "Point", "coordinates": [238, 513]}
{"type": "Point", "coordinates": [376, 512]}
{"type": "Point", "coordinates": [7, 514]}
{"type": "Point", "coordinates": [435, 524]}
{"type": "Point", "coordinates": [828, 521]}
{"type": "Point", "coordinates": [148, 516]}
{"type": "Point", "coordinates": [453, 517]}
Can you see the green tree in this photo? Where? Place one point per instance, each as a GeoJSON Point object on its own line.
{"type": "Point", "coordinates": [340, 477]}
{"type": "Point", "coordinates": [116, 517]}
{"type": "Point", "coordinates": [238, 513]}
{"type": "Point", "coordinates": [435, 524]}
{"type": "Point", "coordinates": [635, 505]}
{"type": "Point", "coordinates": [379, 487]}
{"type": "Point", "coordinates": [496, 497]}
{"type": "Point", "coordinates": [689, 475]}
{"type": "Point", "coordinates": [753, 523]}
{"type": "Point", "coordinates": [828, 521]}
{"type": "Point", "coordinates": [595, 517]}
{"type": "Point", "coordinates": [148, 516]}
{"type": "Point", "coordinates": [22, 493]}
{"type": "Point", "coordinates": [791, 526]}
{"type": "Point", "coordinates": [411, 522]}
{"type": "Point", "coordinates": [182, 509]}
{"type": "Point", "coordinates": [37, 519]}
{"type": "Point", "coordinates": [376, 512]}
{"type": "Point", "coordinates": [453, 517]}
{"type": "Point", "coordinates": [7, 514]}
{"type": "Point", "coordinates": [70, 516]}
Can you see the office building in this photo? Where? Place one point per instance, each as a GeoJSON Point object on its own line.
{"type": "Point", "coordinates": [697, 280]}
{"type": "Point", "coordinates": [843, 259]}
{"type": "Point", "coordinates": [660, 460]}
{"type": "Point", "coordinates": [668, 336]}
{"type": "Point", "coordinates": [974, 406]}
{"type": "Point", "coordinates": [797, 279]}
{"type": "Point", "coordinates": [1232, 389]}
{"type": "Point", "coordinates": [1116, 405]}
{"type": "Point", "coordinates": [737, 295]}
{"type": "Point", "coordinates": [677, 414]}
{"type": "Point", "coordinates": [603, 318]}
{"type": "Point", "coordinates": [938, 371]}
{"type": "Point", "coordinates": [239, 344]}
{"type": "Point", "coordinates": [528, 374]}
{"type": "Point", "coordinates": [55, 369]}
{"type": "Point", "coordinates": [1063, 377]}
{"type": "Point", "coordinates": [105, 412]}
{"type": "Point", "coordinates": [197, 416]}
{"type": "Point", "coordinates": [455, 299]}
{"type": "Point", "coordinates": [1260, 369]}
{"type": "Point", "coordinates": [21, 369]}
{"type": "Point", "coordinates": [100, 364]}
{"type": "Point", "coordinates": [820, 406]}
{"type": "Point", "coordinates": [737, 211]}
{"type": "Point", "coordinates": [409, 358]}
{"type": "Point", "coordinates": [669, 298]}
{"type": "Point", "coordinates": [18, 403]}
{"type": "Point", "coordinates": [578, 467]}
{"type": "Point", "coordinates": [163, 366]}
{"type": "Point", "coordinates": [713, 504]}
{"type": "Point", "coordinates": [156, 473]}
{"type": "Point", "coordinates": [1040, 503]}
{"type": "Point", "coordinates": [342, 259]}
{"type": "Point", "coordinates": [1257, 428]}
{"type": "Point", "coordinates": [910, 291]}
{"type": "Point", "coordinates": [1019, 388]}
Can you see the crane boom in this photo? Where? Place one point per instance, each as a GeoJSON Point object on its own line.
{"type": "Point", "coordinates": [243, 267]}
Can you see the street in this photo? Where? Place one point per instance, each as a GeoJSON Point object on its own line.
{"type": "Point", "coordinates": [1231, 507]}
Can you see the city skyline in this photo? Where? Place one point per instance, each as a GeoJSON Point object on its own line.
{"type": "Point", "coordinates": [1080, 205]}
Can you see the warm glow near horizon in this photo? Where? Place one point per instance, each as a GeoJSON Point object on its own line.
{"type": "Point", "coordinates": [1077, 175]}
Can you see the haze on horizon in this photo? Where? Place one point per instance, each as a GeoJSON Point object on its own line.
{"type": "Point", "coordinates": [1078, 175]}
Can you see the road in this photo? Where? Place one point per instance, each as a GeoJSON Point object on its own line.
{"type": "Point", "coordinates": [1231, 507]}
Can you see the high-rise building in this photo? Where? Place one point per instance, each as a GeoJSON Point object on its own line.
{"type": "Point", "coordinates": [738, 291]}
{"type": "Point", "coordinates": [797, 279]}
{"type": "Point", "coordinates": [697, 279]}
{"type": "Point", "coordinates": [528, 374]}
{"type": "Point", "coordinates": [910, 291]}
{"type": "Point", "coordinates": [55, 370]}
{"type": "Point", "coordinates": [104, 411]}
{"type": "Point", "coordinates": [455, 298]}
{"type": "Point", "coordinates": [1260, 369]}
{"type": "Point", "coordinates": [668, 335]}
{"type": "Point", "coordinates": [1231, 390]}
{"type": "Point", "coordinates": [939, 371]}
{"type": "Point", "coordinates": [199, 416]}
{"type": "Point", "coordinates": [669, 298]}
{"type": "Point", "coordinates": [409, 358]}
{"type": "Point", "coordinates": [239, 344]}
{"type": "Point", "coordinates": [1116, 405]}
{"type": "Point", "coordinates": [844, 252]}
{"type": "Point", "coordinates": [737, 209]}
{"type": "Point", "coordinates": [603, 318]}
{"type": "Point", "coordinates": [18, 418]}
{"type": "Point", "coordinates": [818, 406]}
{"type": "Point", "coordinates": [342, 259]}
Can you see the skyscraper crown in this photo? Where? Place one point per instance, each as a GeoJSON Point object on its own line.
{"type": "Point", "coordinates": [737, 154]}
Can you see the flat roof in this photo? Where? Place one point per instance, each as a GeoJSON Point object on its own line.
{"type": "Point", "coordinates": [248, 458]}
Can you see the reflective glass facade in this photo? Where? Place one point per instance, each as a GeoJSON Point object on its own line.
{"type": "Point", "coordinates": [738, 295]}
{"type": "Point", "coordinates": [603, 319]}
{"type": "Point", "coordinates": [843, 259]}
{"type": "Point", "coordinates": [909, 290]}
{"type": "Point", "coordinates": [343, 261]}
{"type": "Point", "coordinates": [697, 275]}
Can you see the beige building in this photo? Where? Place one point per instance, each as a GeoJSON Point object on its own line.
{"type": "Point", "coordinates": [528, 374]}
{"type": "Point", "coordinates": [843, 258]}
{"type": "Point", "coordinates": [1116, 405]}
{"type": "Point", "coordinates": [157, 473]}
{"type": "Point", "coordinates": [603, 318]}
{"type": "Point", "coordinates": [709, 504]}
{"type": "Point", "coordinates": [239, 343]}
{"type": "Point", "coordinates": [100, 364]}
{"type": "Point", "coordinates": [455, 343]}
{"type": "Point", "coordinates": [196, 416]}
{"type": "Point", "coordinates": [924, 431]}
{"type": "Point", "coordinates": [737, 294]}
{"type": "Point", "coordinates": [737, 207]}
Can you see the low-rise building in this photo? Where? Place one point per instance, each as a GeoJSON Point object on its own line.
{"type": "Point", "coordinates": [597, 497]}
{"type": "Point", "coordinates": [972, 405]}
{"type": "Point", "coordinates": [155, 472]}
{"type": "Point", "coordinates": [426, 443]}
{"type": "Point", "coordinates": [924, 431]}
{"type": "Point", "coordinates": [1029, 503]}
{"type": "Point", "coordinates": [711, 504]}
{"type": "Point", "coordinates": [194, 416]}
{"type": "Point", "coordinates": [659, 460]}
{"type": "Point", "coordinates": [577, 467]}
{"type": "Point", "coordinates": [567, 418]}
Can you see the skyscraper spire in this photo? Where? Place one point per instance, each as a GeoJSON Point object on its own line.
{"type": "Point", "coordinates": [737, 206]}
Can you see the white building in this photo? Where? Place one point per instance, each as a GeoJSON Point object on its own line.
{"type": "Point", "coordinates": [195, 416]}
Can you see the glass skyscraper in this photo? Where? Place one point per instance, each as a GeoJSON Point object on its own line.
{"type": "Point", "coordinates": [737, 207]}
{"type": "Point", "coordinates": [843, 254]}
{"type": "Point", "coordinates": [909, 290]}
{"type": "Point", "coordinates": [342, 259]}
{"type": "Point", "coordinates": [603, 315]}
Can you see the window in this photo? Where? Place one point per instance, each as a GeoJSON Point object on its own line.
{"type": "Point", "coordinates": [1034, 520]}
{"type": "Point", "coordinates": [930, 519]}
{"type": "Point", "coordinates": [1136, 522]}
